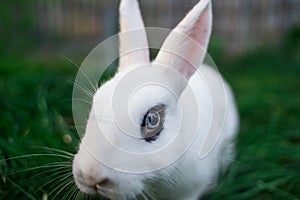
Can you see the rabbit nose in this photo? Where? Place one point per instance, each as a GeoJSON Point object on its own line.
{"type": "Point", "coordinates": [92, 181]}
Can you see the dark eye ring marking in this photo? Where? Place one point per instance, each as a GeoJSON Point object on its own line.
{"type": "Point", "coordinates": [153, 122]}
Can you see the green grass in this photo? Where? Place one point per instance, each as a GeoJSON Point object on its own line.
{"type": "Point", "coordinates": [35, 110]}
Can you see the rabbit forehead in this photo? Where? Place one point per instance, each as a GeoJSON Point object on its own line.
{"type": "Point", "coordinates": [147, 96]}
{"type": "Point", "coordinates": [136, 91]}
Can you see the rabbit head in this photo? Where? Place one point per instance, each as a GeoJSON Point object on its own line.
{"type": "Point", "coordinates": [135, 132]}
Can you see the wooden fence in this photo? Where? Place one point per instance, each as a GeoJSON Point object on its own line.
{"type": "Point", "coordinates": [239, 23]}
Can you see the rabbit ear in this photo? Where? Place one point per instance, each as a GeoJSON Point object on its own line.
{"type": "Point", "coordinates": [185, 47]}
{"type": "Point", "coordinates": [133, 39]}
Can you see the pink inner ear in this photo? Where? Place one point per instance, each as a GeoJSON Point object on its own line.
{"type": "Point", "coordinates": [187, 69]}
{"type": "Point", "coordinates": [188, 41]}
{"type": "Point", "coordinates": [195, 53]}
{"type": "Point", "coordinates": [202, 29]}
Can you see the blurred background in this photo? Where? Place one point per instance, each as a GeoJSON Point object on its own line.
{"type": "Point", "coordinates": [80, 24]}
{"type": "Point", "coordinates": [255, 44]}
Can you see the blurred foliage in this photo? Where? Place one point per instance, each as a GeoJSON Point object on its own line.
{"type": "Point", "coordinates": [35, 110]}
{"type": "Point", "coordinates": [16, 26]}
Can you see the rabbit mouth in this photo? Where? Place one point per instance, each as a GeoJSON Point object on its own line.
{"type": "Point", "coordinates": [87, 189]}
{"type": "Point", "coordinates": [108, 193]}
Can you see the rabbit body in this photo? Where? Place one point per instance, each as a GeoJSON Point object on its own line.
{"type": "Point", "coordinates": [193, 176]}
{"type": "Point", "coordinates": [163, 129]}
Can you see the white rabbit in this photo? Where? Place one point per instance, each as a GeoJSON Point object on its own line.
{"type": "Point", "coordinates": [161, 129]}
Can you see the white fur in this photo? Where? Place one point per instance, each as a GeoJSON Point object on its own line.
{"type": "Point", "coordinates": [131, 19]}
{"type": "Point", "coordinates": [189, 176]}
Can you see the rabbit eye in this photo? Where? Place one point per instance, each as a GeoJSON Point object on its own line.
{"type": "Point", "coordinates": [153, 122]}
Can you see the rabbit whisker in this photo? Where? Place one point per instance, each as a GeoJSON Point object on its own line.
{"type": "Point", "coordinates": [52, 171]}
{"type": "Point", "coordinates": [39, 167]}
{"type": "Point", "coordinates": [65, 185]}
{"type": "Point", "coordinates": [73, 192]}
{"type": "Point", "coordinates": [144, 196]}
{"type": "Point", "coordinates": [84, 90]}
{"type": "Point", "coordinates": [94, 86]}
{"type": "Point", "coordinates": [149, 193]}
{"type": "Point", "coordinates": [36, 155]}
{"type": "Point", "coordinates": [65, 180]}
{"type": "Point", "coordinates": [56, 178]}
{"type": "Point", "coordinates": [80, 195]}
{"type": "Point", "coordinates": [82, 100]}
{"type": "Point", "coordinates": [52, 149]}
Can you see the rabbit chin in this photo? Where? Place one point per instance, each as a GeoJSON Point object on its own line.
{"type": "Point", "coordinates": [129, 189]}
